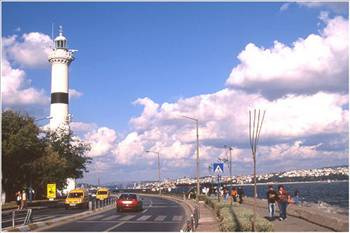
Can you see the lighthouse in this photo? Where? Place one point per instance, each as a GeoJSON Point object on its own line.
{"type": "Point", "coordinates": [60, 59]}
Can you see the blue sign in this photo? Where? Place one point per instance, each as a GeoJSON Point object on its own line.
{"type": "Point", "coordinates": [218, 167]}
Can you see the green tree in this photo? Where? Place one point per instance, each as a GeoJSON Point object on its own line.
{"type": "Point", "coordinates": [65, 157]}
{"type": "Point", "coordinates": [32, 156]}
{"type": "Point", "coordinates": [20, 148]}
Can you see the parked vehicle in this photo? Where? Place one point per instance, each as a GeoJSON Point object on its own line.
{"type": "Point", "coordinates": [102, 194]}
{"type": "Point", "coordinates": [77, 198]}
{"type": "Point", "coordinates": [129, 201]}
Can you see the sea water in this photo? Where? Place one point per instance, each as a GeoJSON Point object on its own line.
{"type": "Point", "coordinates": [333, 196]}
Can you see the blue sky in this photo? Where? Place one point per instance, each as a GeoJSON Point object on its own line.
{"type": "Point", "coordinates": [168, 53]}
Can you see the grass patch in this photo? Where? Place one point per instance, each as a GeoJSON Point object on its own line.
{"type": "Point", "coordinates": [236, 218]}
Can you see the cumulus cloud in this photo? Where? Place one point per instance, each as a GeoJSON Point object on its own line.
{"type": "Point", "coordinates": [30, 50]}
{"type": "Point", "coordinates": [223, 117]}
{"type": "Point", "coordinates": [102, 141]}
{"type": "Point", "coordinates": [16, 89]}
{"type": "Point", "coordinates": [316, 63]}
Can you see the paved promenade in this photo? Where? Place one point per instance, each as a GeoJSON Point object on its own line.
{"type": "Point", "coordinates": [291, 224]}
{"type": "Point", "coordinates": [207, 221]}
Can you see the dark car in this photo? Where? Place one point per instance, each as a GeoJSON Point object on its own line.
{"type": "Point", "coordinates": [129, 201]}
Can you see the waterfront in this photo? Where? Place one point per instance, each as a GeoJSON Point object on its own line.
{"type": "Point", "coordinates": [333, 196]}
{"type": "Point", "coordinates": [324, 194]}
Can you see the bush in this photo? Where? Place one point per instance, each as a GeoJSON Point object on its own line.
{"type": "Point", "coordinates": [236, 218]}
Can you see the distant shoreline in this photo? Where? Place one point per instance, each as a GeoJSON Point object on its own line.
{"type": "Point", "coordinates": [290, 182]}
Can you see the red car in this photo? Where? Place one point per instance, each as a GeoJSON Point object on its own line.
{"type": "Point", "coordinates": [129, 201]}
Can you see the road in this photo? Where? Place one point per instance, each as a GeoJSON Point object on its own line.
{"type": "Point", "coordinates": [158, 215]}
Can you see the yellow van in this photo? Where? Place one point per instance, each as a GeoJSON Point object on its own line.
{"type": "Point", "coordinates": [77, 198]}
{"type": "Point", "coordinates": [102, 194]}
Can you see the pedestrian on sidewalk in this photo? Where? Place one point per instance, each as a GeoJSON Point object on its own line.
{"type": "Point", "coordinates": [18, 199]}
{"type": "Point", "coordinates": [24, 199]}
{"type": "Point", "coordinates": [283, 200]}
{"type": "Point", "coordinates": [271, 202]}
{"type": "Point", "coordinates": [225, 194]}
{"type": "Point", "coordinates": [240, 193]}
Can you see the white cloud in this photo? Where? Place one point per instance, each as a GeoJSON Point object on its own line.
{"type": "Point", "coordinates": [74, 93]}
{"type": "Point", "coordinates": [284, 7]}
{"type": "Point", "coordinates": [337, 7]}
{"type": "Point", "coordinates": [316, 63]}
{"type": "Point", "coordinates": [31, 51]}
{"type": "Point", "coordinates": [224, 116]}
{"type": "Point", "coordinates": [297, 151]}
{"type": "Point", "coordinates": [16, 90]}
{"type": "Point", "coordinates": [82, 126]}
{"type": "Point", "coordinates": [102, 141]}
{"type": "Point", "coordinates": [129, 148]}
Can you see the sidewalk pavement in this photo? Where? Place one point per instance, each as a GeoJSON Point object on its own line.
{"type": "Point", "coordinates": [291, 224]}
{"type": "Point", "coordinates": [207, 221]}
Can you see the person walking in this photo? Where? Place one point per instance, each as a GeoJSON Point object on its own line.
{"type": "Point", "coordinates": [18, 199]}
{"type": "Point", "coordinates": [283, 200]}
{"type": "Point", "coordinates": [240, 193]}
{"type": "Point", "coordinates": [234, 194]}
{"type": "Point", "coordinates": [225, 194]}
{"type": "Point", "coordinates": [271, 201]}
{"type": "Point", "coordinates": [24, 199]}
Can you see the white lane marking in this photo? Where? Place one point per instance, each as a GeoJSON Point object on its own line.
{"type": "Point", "coordinates": [177, 218]}
{"type": "Point", "coordinates": [160, 218]}
{"type": "Point", "coordinates": [150, 205]}
{"type": "Point", "coordinates": [127, 217]}
{"type": "Point", "coordinates": [144, 217]}
{"type": "Point", "coordinates": [111, 217]}
{"type": "Point", "coordinates": [115, 226]}
{"type": "Point", "coordinates": [94, 217]}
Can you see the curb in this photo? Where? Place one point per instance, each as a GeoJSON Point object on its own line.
{"type": "Point", "coordinates": [41, 226]}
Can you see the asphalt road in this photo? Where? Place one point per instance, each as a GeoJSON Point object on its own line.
{"type": "Point", "coordinates": [158, 215]}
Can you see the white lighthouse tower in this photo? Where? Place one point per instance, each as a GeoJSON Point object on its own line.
{"type": "Point", "coordinates": [60, 59]}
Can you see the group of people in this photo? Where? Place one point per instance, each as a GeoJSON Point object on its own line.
{"type": "Point", "coordinates": [282, 198]}
{"type": "Point", "coordinates": [21, 199]}
{"type": "Point", "coordinates": [237, 193]}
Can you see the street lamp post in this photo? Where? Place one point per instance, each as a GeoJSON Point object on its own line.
{"type": "Point", "coordinates": [230, 159]}
{"type": "Point", "coordinates": [197, 160]}
{"type": "Point", "coordinates": [156, 152]}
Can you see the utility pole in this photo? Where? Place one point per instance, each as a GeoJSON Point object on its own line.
{"type": "Point", "coordinates": [157, 152]}
{"type": "Point", "coordinates": [254, 134]}
{"type": "Point", "coordinates": [230, 159]}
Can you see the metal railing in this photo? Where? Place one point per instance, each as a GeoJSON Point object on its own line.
{"type": "Point", "coordinates": [192, 223]}
{"type": "Point", "coordinates": [16, 217]}
{"type": "Point", "coordinates": [97, 204]}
